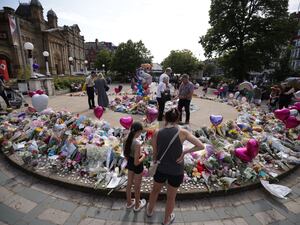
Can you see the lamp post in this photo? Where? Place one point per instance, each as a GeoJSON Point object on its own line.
{"type": "Point", "coordinates": [46, 55]}
{"type": "Point", "coordinates": [86, 63]}
{"type": "Point", "coordinates": [29, 47]}
{"type": "Point", "coordinates": [103, 67]}
{"type": "Point", "coordinates": [71, 65]}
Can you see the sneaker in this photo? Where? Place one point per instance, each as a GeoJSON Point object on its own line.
{"type": "Point", "coordinates": [142, 205]}
{"type": "Point", "coordinates": [131, 205]}
{"type": "Point", "coordinates": [172, 218]}
{"type": "Point", "coordinates": [149, 214]}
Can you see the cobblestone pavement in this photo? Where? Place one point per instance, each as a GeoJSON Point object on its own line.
{"type": "Point", "coordinates": [27, 200]}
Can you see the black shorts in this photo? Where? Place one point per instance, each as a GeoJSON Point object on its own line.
{"type": "Point", "coordinates": [173, 180]}
{"type": "Point", "coordinates": [136, 169]}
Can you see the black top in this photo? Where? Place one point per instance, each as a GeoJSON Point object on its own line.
{"type": "Point", "coordinates": [168, 164]}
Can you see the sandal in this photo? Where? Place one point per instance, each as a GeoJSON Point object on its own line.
{"type": "Point", "coordinates": [142, 205]}
{"type": "Point", "coordinates": [172, 218]}
{"type": "Point", "coordinates": [131, 205]}
{"type": "Point", "coordinates": [147, 211]}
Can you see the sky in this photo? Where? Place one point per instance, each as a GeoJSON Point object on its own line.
{"type": "Point", "coordinates": [162, 25]}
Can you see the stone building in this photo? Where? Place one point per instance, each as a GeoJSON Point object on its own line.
{"type": "Point", "coordinates": [92, 49]}
{"type": "Point", "coordinates": [27, 24]}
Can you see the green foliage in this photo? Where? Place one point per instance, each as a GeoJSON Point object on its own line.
{"type": "Point", "coordinates": [182, 61]}
{"type": "Point", "coordinates": [27, 72]}
{"type": "Point", "coordinates": [104, 57]}
{"type": "Point", "coordinates": [209, 69]}
{"type": "Point", "coordinates": [247, 34]}
{"type": "Point", "coordinates": [61, 83]}
{"type": "Point", "coordinates": [283, 68]}
{"type": "Point", "coordinates": [129, 56]}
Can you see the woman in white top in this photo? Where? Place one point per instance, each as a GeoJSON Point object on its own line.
{"type": "Point", "coordinates": [161, 90]}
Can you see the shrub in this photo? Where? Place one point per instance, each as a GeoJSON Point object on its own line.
{"type": "Point", "coordinates": [65, 82]}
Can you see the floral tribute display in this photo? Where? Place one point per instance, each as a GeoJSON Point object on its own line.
{"type": "Point", "coordinates": [257, 146]}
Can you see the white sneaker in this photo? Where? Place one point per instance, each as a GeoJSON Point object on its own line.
{"type": "Point", "coordinates": [142, 205]}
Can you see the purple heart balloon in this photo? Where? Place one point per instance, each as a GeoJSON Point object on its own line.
{"type": "Point", "coordinates": [216, 119]}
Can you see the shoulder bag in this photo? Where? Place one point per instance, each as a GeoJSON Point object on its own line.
{"type": "Point", "coordinates": [154, 165]}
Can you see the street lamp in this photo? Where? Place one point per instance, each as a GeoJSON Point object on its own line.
{"type": "Point", "coordinates": [103, 66]}
{"type": "Point", "coordinates": [86, 63]}
{"type": "Point", "coordinates": [46, 55]}
{"type": "Point", "coordinates": [71, 65]}
{"type": "Point", "coordinates": [29, 47]}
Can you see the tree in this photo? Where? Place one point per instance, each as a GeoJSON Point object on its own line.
{"type": "Point", "coordinates": [247, 34]}
{"type": "Point", "coordinates": [129, 56]}
{"type": "Point", "coordinates": [182, 61]}
{"type": "Point", "coordinates": [283, 68]}
{"type": "Point", "coordinates": [104, 57]}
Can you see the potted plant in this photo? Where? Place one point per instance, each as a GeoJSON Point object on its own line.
{"type": "Point", "coordinates": [23, 77]}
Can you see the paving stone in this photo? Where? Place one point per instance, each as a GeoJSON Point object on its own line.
{"type": "Point", "coordinates": [228, 222]}
{"type": "Point", "coordinates": [269, 216]}
{"type": "Point", "coordinates": [5, 194]}
{"type": "Point", "coordinates": [2, 223]}
{"type": "Point", "coordinates": [78, 214]}
{"type": "Point", "coordinates": [239, 221]}
{"type": "Point", "coordinates": [14, 186]}
{"type": "Point", "coordinates": [213, 222]}
{"type": "Point", "coordinates": [9, 215]}
{"type": "Point", "coordinates": [92, 221]}
{"type": "Point", "coordinates": [3, 178]}
{"type": "Point", "coordinates": [293, 206]}
{"type": "Point", "coordinates": [118, 204]}
{"type": "Point", "coordinates": [195, 216]}
{"type": "Point", "coordinates": [282, 222]}
{"type": "Point", "coordinates": [63, 205]}
{"type": "Point", "coordinates": [258, 206]}
{"type": "Point", "coordinates": [42, 206]}
{"type": "Point", "coordinates": [252, 220]}
{"type": "Point", "coordinates": [34, 221]}
{"type": "Point", "coordinates": [19, 203]}
{"type": "Point", "coordinates": [32, 194]}
{"type": "Point", "coordinates": [54, 215]}
{"type": "Point", "coordinates": [46, 188]}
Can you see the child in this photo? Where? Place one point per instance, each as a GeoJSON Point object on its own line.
{"type": "Point", "coordinates": [274, 97]}
{"type": "Point", "coordinates": [205, 87]}
{"type": "Point", "coordinates": [135, 158]}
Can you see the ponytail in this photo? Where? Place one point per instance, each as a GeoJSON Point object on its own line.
{"type": "Point", "coordinates": [135, 127]}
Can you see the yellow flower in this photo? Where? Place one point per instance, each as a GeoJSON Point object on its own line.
{"type": "Point", "coordinates": [38, 129]}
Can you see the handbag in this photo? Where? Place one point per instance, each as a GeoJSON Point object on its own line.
{"type": "Point", "coordinates": [166, 95]}
{"type": "Point", "coordinates": [154, 165]}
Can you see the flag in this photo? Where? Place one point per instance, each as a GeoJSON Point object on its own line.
{"type": "Point", "coordinates": [13, 29]}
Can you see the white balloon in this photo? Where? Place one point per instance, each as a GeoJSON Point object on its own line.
{"type": "Point", "coordinates": [39, 102]}
{"type": "Point", "coordinates": [293, 112]}
{"type": "Point", "coordinates": [297, 95]}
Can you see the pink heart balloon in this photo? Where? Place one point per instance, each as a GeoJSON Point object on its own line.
{"type": "Point", "coordinates": [151, 114]}
{"type": "Point", "coordinates": [282, 114]}
{"type": "Point", "coordinates": [291, 122]}
{"type": "Point", "coordinates": [126, 122]}
{"type": "Point", "coordinates": [31, 93]}
{"type": "Point", "coordinates": [98, 111]}
{"type": "Point", "coordinates": [252, 148]}
{"type": "Point", "coordinates": [297, 105]}
{"type": "Point", "coordinates": [40, 92]}
{"type": "Point", "coordinates": [241, 153]}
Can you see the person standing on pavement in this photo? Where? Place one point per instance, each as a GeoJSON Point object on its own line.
{"type": "Point", "coordinates": [161, 97]}
{"type": "Point", "coordinates": [185, 95]}
{"type": "Point", "coordinates": [167, 148]}
{"type": "Point", "coordinates": [257, 94]}
{"type": "Point", "coordinates": [90, 84]}
{"type": "Point", "coordinates": [167, 74]}
{"type": "Point", "coordinates": [100, 88]}
{"type": "Point", "coordinates": [2, 92]}
{"type": "Point", "coordinates": [135, 157]}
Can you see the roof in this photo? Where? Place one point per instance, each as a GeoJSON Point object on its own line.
{"type": "Point", "coordinates": [23, 10]}
{"type": "Point", "coordinates": [51, 13]}
{"type": "Point", "coordinates": [36, 3]}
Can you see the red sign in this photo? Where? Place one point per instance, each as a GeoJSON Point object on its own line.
{"type": "Point", "coordinates": [4, 69]}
